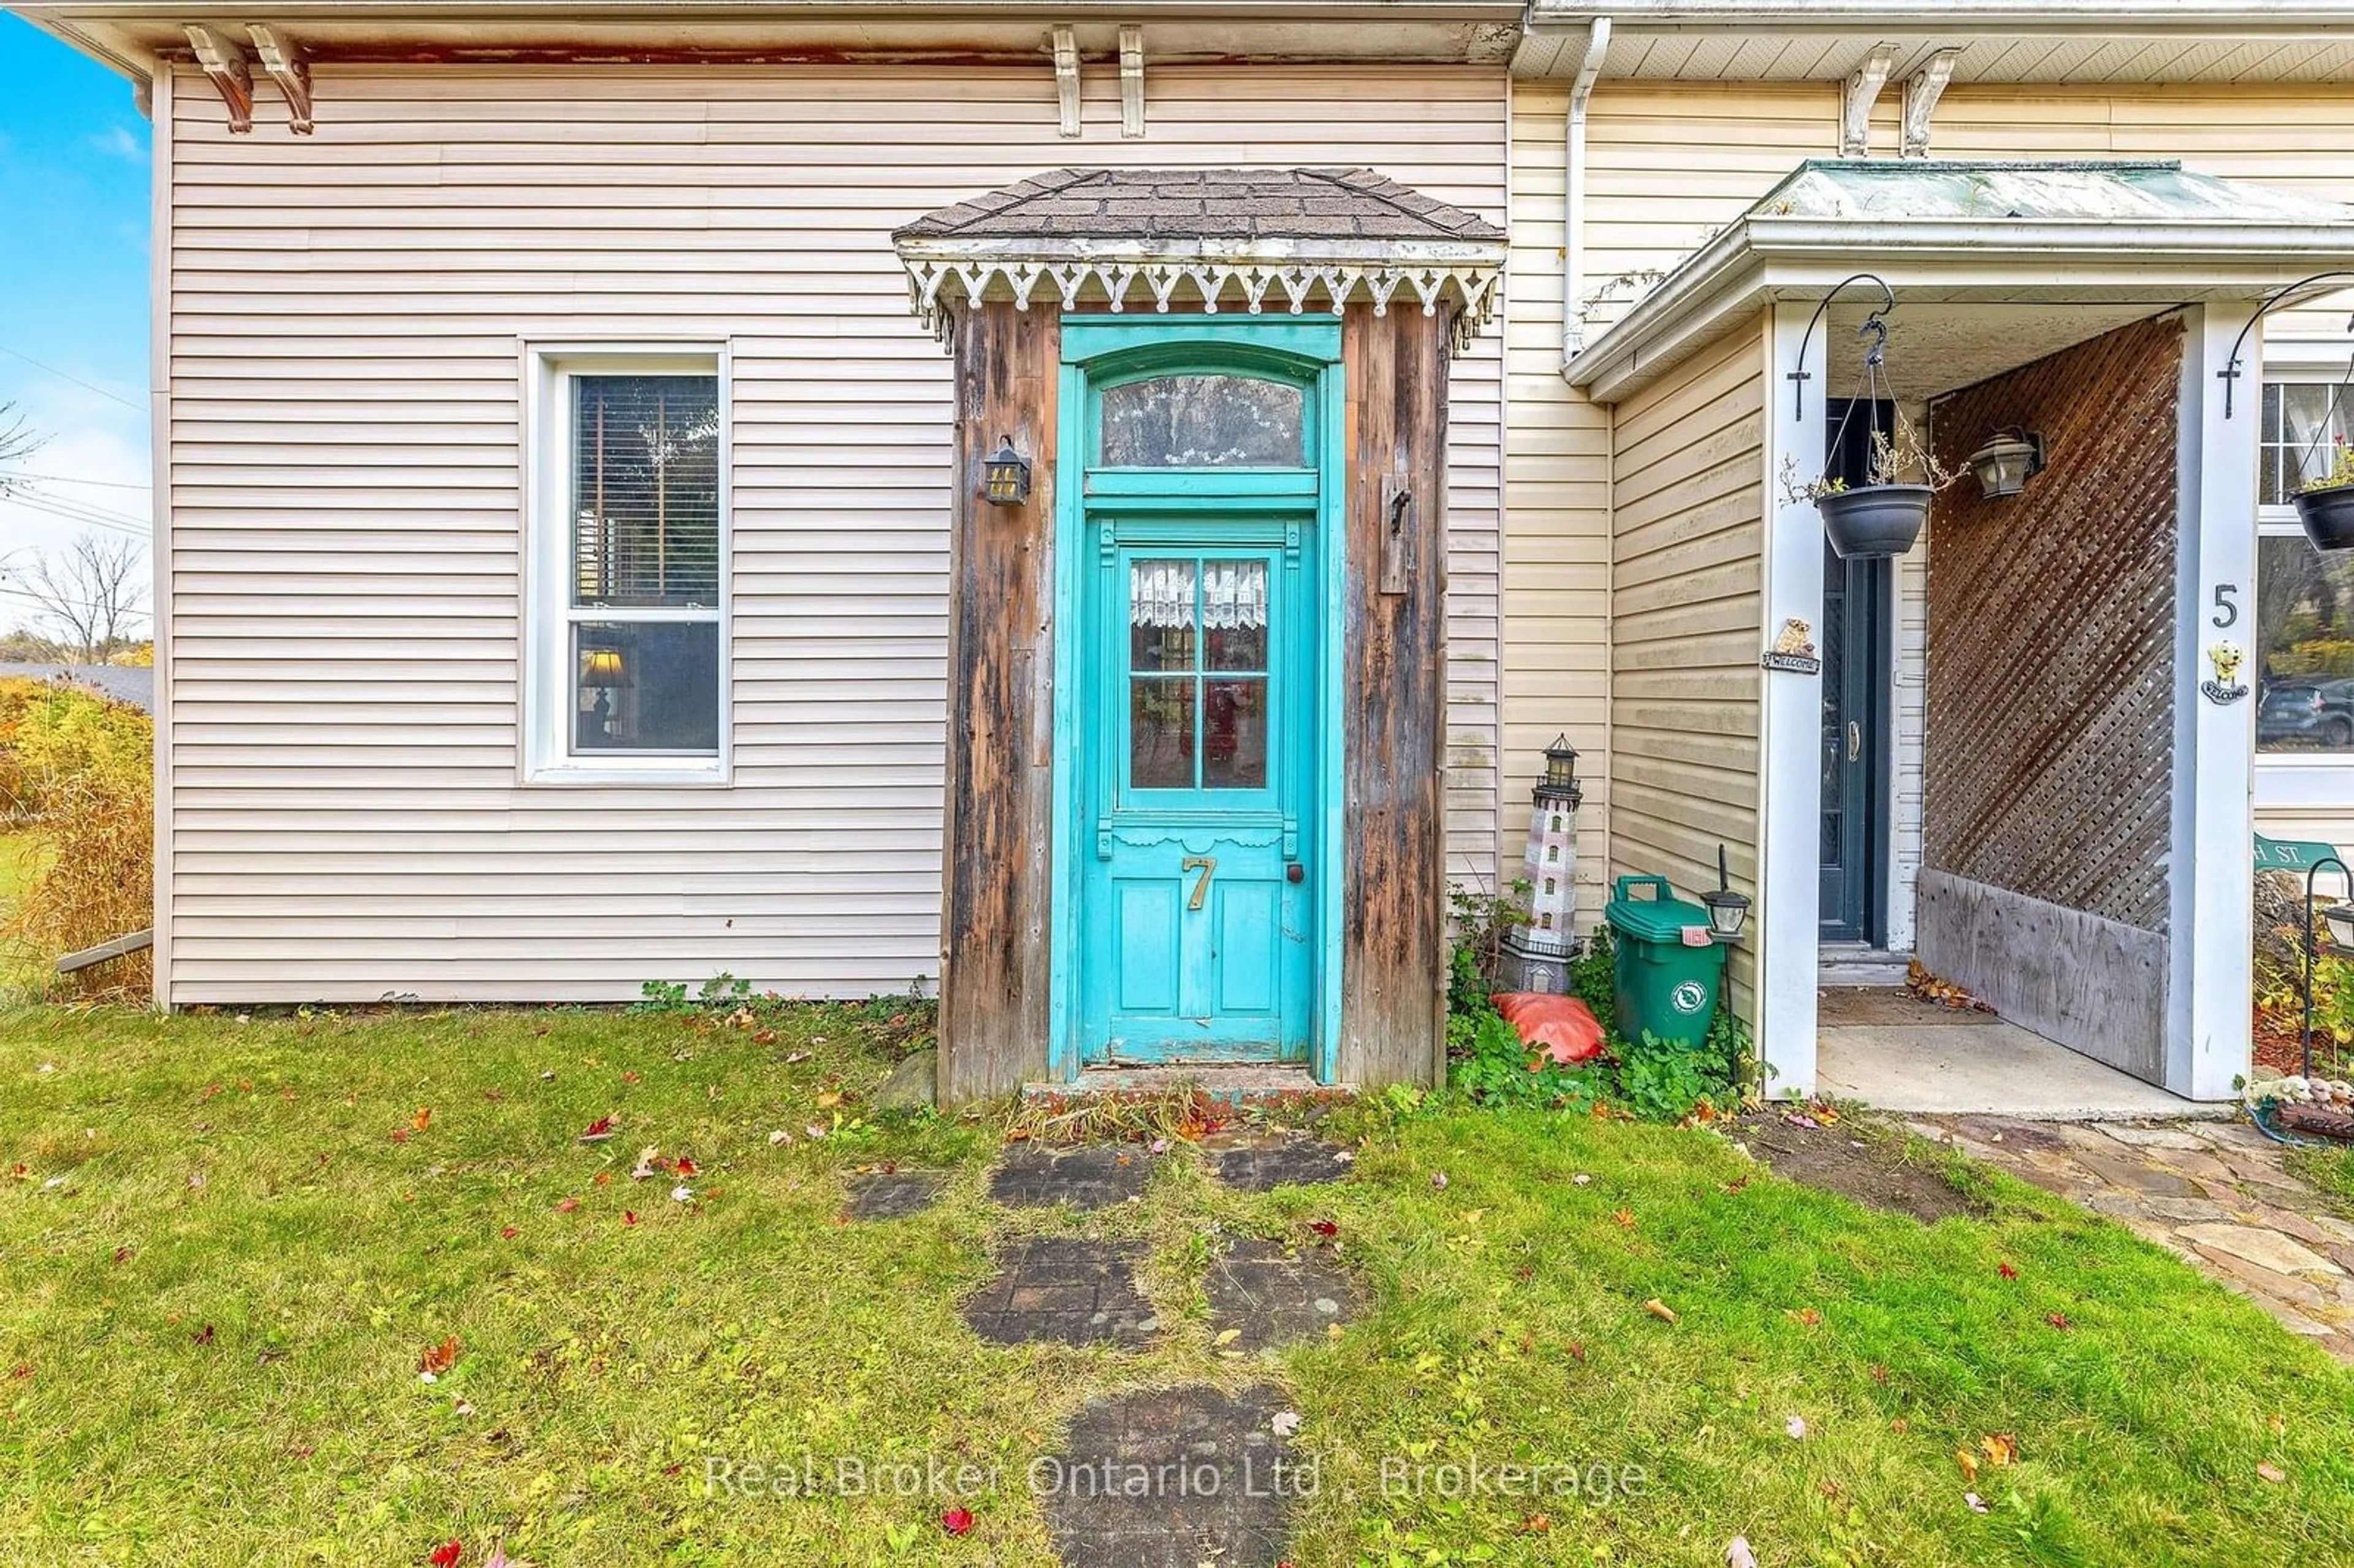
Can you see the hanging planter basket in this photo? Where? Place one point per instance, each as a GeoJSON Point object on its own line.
{"type": "Point", "coordinates": [2327, 516]}
{"type": "Point", "coordinates": [1872, 521]}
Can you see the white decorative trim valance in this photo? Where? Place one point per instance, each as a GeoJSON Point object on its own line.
{"type": "Point", "coordinates": [942, 275]}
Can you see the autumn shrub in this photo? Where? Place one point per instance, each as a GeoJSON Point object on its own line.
{"type": "Point", "coordinates": [79, 772]}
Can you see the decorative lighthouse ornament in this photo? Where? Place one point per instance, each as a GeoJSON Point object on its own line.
{"type": "Point", "coordinates": [1541, 949]}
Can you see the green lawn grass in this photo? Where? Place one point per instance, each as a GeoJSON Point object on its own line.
{"type": "Point", "coordinates": [222, 1269]}
{"type": "Point", "coordinates": [19, 971]}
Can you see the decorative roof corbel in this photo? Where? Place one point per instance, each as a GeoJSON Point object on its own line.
{"type": "Point", "coordinates": [288, 66]}
{"type": "Point", "coordinates": [1921, 91]}
{"type": "Point", "coordinates": [1855, 105]}
{"type": "Point", "coordinates": [223, 61]}
{"type": "Point", "coordinates": [1131, 81]}
{"type": "Point", "coordinates": [1066, 77]}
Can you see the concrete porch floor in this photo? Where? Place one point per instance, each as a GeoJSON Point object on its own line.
{"type": "Point", "coordinates": [1884, 1048]}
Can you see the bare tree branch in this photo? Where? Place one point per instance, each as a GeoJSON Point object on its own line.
{"type": "Point", "coordinates": [93, 594]}
{"type": "Point", "coordinates": [18, 441]}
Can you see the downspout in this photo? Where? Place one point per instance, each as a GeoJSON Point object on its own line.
{"type": "Point", "coordinates": [1572, 236]}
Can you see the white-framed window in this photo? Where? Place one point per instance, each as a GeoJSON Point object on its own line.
{"type": "Point", "coordinates": [2304, 632]}
{"type": "Point", "coordinates": [626, 656]}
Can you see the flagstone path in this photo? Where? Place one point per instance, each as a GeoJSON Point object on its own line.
{"type": "Point", "coordinates": [1173, 1476]}
{"type": "Point", "coordinates": [2215, 1193]}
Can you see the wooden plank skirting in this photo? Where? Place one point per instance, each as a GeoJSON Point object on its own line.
{"type": "Point", "coordinates": [2095, 985]}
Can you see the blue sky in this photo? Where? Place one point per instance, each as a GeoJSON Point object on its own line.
{"type": "Point", "coordinates": [73, 291]}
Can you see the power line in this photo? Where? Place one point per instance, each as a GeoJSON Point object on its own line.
{"type": "Point", "coordinates": [71, 515]}
{"type": "Point", "coordinates": [62, 479]}
{"type": "Point", "coordinates": [90, 507]}
{"type": "Point", "coordinates": [63, 375]}
{"type": "Point", "coordinates": [48, 602]}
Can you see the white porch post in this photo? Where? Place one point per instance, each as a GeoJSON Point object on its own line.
{"type": "Point", "coordinates": [2212, 891]}
{"type": "Point", "coordinates": [1790, 715]}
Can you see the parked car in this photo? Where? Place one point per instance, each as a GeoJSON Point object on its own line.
{"type": "Point", "coordinates": [2307, 712]}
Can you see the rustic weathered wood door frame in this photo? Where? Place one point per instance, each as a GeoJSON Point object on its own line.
{"type": "Point", "coordinates": [1096, 351]}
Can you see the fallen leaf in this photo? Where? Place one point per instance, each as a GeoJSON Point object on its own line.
{"type": "Point", "coordinates": [204, 1336]}
{"type": "Point", "coordinates": [795, 1058]}
{"type": "Point", "coordinates": [438, 1359]}
{"type": "Point", "coordinates": [2058, 1319]}
{"type": "Point", "coordinates": [1324, 1228]}
{"type": "Point", "coordinates": [1285, 1423]}
{"type": "Point", "coordinates": [2000, 1448]}
{"type": "Point", "coordinates": [682, 1166]}
{"type": "Point", "coordinates": [423, 1119]}
{"type": "Point", "coordinates": [1227, 1336]}
{"type": "Point", "coordinates": [1626, 1218]}
{"type": "Point", "coordinates": [1806, 1315]}
{"type": "Point", "coordinates": [1659, 1309]}
{"type": "Point", "coordinates": [1900, 1425]}
{"type": "Point", "coordinates": [2272, 1472]}
{"type": "Point", "coordinates": [813, 1131]}
{"type": "Point", "coordinates": [599, 1131]}
{"type": "Point", "coordinates": [508, 1233]}
{"type": "Point", "coordinates": [1535, 1524]}
{"type": "Point", "coordinates": [682, 1193]}
{"type": "Point", "coordinates": [603, 1179]}
{"type": "Point", "coordinates": [829, 1100]}
{"type": "Point", "coordinates": [628, 1216]}
{"type": "Point", "coordinates": [458, 1405]}
{"type": "Point", "coordinates": [2005, 1271]}
{"type": "Point", "coordinates": [1795, 1426]}
{"type": "Point", "coordinates": [446, 1555]}
{"type": "Point", "coordinates": [1969, 1462]}
{"type": "Point", "coordinates": [400, 1135]}
{"type": "Point", "coordinates": [567, 1205]}
{"type": "Point", "coordinates": [1737, 1553]}
{"type": "Point", "coordinates": [1577, 1350]}
{"type": "Point", "coordinates": [650, 1161]}
{"type": "Point", "coordinates": [1581, 1179]}
{"type": "Point", "coordinates": [780, 1136]}
{"type": "Point", "coordinates": [630, 1077]}
{"type": "Point", "coordinates": [957, 1520]}
{"type": "Point", "coordinates": [1439, 1180]}
{"type": "Point", "coordinates": [1978, 1504]}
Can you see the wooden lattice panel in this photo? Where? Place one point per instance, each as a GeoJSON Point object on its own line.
{"type": "Point", "coordinates": [2051, 675]}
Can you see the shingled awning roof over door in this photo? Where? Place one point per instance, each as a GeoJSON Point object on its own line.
{"type": "Point", "coordinates": [1208, 240]}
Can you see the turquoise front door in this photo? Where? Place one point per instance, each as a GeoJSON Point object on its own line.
{"type": "Point", "coordinates": [1196, 719]}
{"type": "Point", "coordinates": [1199, 707]}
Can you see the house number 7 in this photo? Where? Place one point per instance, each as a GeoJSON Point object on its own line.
{"type": "Point", "coordinates": [1207, 864]}
{"type": "Point", "coordinates": [2227, 612]}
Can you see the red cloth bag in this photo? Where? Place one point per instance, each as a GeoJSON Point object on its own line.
{"type": "Point", "coordinates": [1562, 1027]}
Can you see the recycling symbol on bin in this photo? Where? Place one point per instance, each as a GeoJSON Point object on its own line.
{"type": "Point", "coordinates": [1689, 997]}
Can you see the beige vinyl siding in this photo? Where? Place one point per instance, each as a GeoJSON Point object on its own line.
{"type": "Point", "coordinates": [344, 328]}
{"type": "Point", "coordinates": [1557, 517]}
{"type": "Point", "coordinates": [1687, 597]}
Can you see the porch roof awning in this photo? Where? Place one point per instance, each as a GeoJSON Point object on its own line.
{"type": "Point", "coordinates": [1206, 239]}
{"type": "Point", "coordinates": [2053, 252]}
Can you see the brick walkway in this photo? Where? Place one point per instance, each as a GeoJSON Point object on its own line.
{"type": "Point", "coordinates": [2216, 1193]}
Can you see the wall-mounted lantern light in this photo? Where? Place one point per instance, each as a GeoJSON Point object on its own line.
{"type": "Point", "coordinates": [1727, 911]}
{"type": "Point", "coordinates": [2007, 461]}
{"type": "Point", "coordinates": [1005, 475]}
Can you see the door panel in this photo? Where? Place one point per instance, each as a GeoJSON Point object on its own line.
{"type": "Point", "coordinates": [1197, 697]}
{"type": "Point", "coordinates": [1858, 648]}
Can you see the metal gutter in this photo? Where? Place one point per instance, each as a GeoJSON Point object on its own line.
{"type": "Point", "coordinates": [2209, 18]}
{"type": "Point", "coordinates": [1727, 278]}
{"type": "Point", "coordinates": [1572, 240]}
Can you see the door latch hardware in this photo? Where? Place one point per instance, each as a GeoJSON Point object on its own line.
{"type": "Point", "coordinates": [1854, 740]}
{"type": "Point", "coordinates": [1207, 864]}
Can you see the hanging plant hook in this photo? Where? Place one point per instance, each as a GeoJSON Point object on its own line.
{"type": "Point", "coordinates": [2230, 373]}
{"type": "Point", "coordinates": [1874, 322]}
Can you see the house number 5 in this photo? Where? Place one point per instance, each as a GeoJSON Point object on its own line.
{"type": "Point", "coordinates": [1207, 864]}
{"type": "Point", "coordinates": [2227, 612]}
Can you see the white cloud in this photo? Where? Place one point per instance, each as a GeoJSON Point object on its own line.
{"type": "Point", "coordinates": [120, 141]}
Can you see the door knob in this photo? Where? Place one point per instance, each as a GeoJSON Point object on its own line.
{"type": "Point", "coordinates": [1294, 872]}
{"type": "Point", "coordinates": [1854, 740]}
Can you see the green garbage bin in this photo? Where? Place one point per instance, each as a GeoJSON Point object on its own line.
{"type": "Point", "coordinates": [1669, 967]}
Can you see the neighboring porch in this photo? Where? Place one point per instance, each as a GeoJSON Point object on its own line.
{"type": "Point", "coordinates": [2021, 759]}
